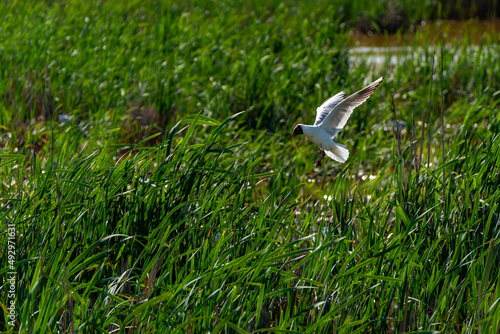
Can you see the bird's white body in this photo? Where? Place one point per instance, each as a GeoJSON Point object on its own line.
{"type": "Point", "coordinates": [331, 117]}
{"type": "Point", "coordinates": [324, 140]}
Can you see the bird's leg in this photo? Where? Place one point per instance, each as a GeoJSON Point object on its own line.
{"type": "Point", "coordinates": [318, 162]}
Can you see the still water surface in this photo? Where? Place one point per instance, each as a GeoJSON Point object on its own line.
{"type": "Point", "coordinates": [377, 49]}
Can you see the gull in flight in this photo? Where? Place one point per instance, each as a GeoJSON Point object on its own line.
{"type": "Point", "coordinates": [331, 117]}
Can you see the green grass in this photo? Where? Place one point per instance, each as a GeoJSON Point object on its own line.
{"type": "Point", "coordinates": [174, 201]}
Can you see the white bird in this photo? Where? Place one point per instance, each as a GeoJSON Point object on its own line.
{"type": "Point", "coordinates": [331, 117]}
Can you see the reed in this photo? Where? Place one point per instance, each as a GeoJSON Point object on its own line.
{"type": "Point", "coordinates": [146, 164]}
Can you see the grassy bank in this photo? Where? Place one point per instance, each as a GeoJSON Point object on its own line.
{"type": "Point", "coordinates": [147, 168]}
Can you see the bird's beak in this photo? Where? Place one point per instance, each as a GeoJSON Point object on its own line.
{"type": "Point", "coordinates": [293, 135]}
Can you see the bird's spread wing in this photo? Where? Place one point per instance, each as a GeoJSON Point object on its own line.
{"type": "Point", "coordinates": [336, 119]}
{"type": "Point", "coordinates": [323, 110]}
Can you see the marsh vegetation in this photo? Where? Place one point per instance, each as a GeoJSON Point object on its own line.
{"type": "Point", "coordinates": [147, 167]}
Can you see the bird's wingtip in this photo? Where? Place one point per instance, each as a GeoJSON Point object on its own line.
{"type": "Point", "coordinates": [377, 82]}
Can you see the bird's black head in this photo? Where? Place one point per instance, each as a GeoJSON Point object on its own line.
{"type": "Point", "coordinates": [297, 130]}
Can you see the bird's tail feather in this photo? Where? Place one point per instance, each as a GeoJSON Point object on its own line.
{"type": "Point", "coordinates": [340, 153]}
